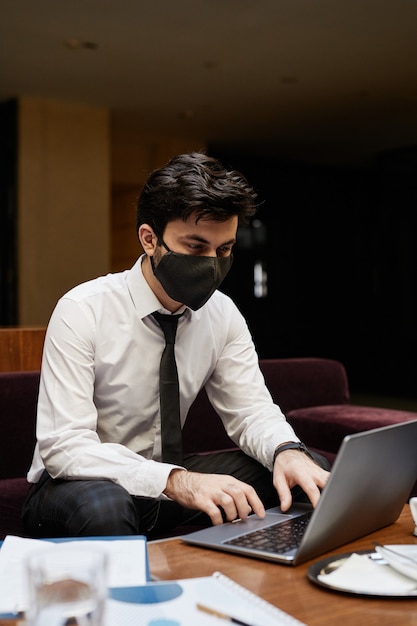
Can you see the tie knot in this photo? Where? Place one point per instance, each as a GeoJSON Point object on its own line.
{"type": "Point", "coordinates": [169, 324]}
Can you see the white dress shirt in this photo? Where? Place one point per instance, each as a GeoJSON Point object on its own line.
{"type": "Point", "coordinates": [98, 410]}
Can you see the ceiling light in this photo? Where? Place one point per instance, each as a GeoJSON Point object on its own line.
{"type": "Point", "coordinates": [186, 114]}
{"type": "Point", "coordinates": [289, 80]}
{"type": "Point", "coordinates": [74, 44]}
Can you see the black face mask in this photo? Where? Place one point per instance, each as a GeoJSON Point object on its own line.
{"type": "Point", "coordinates": [190, 279]}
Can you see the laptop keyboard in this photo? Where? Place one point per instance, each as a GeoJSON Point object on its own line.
{"type": "Point", "coordinates": [277, 538]}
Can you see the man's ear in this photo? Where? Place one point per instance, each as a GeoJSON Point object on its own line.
{"type": "Point", "coordinates": [147, 238]}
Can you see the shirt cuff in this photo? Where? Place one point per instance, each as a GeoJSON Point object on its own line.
{"type": "Point", "coordinates": [150, 481]}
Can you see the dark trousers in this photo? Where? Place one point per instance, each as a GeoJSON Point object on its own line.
{"type": "Point", "coordinates": [74, 508]}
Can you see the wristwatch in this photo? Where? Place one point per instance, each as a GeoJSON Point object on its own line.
{"type": "Point", "coordinates": [292, 445]}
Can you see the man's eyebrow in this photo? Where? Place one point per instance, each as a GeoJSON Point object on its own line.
{"type": "Point", "coordinates": [206, 241]}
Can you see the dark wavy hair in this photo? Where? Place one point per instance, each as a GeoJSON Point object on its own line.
{"type": "Point", "coordinates": [194, 183]}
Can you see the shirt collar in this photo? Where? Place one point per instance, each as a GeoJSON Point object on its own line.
{"type": "Point", "coordinates": [143, 297]}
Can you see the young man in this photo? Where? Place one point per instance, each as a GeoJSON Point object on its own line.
{"type": "Point", "coordinates": [98, 466]}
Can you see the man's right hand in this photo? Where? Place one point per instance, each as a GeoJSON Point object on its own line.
{"type": "Point", "coordinates": [212, 494]}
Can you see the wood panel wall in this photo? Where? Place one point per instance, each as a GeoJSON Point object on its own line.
{"type": "Point", "coordinates": [133, 157]}
{"type": "Point", "coordinates": [21, 349]}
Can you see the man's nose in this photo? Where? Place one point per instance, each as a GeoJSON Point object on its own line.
{"type": "Point", "coordinates": [213, 252]}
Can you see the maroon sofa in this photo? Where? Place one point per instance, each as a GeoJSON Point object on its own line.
{"type": "Point", "coordinates": [312, 392]}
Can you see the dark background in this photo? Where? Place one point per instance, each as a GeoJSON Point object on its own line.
{"type": "Point", "coordinates": [8, 213]}
{"type": "Point", "coordinates": [339, 246]}
{"type": "Point", "coordinates": [340, 253]}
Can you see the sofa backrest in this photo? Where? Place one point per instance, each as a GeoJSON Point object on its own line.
{"type": "Point", "coordinates": [18, 400]}
{"type": "Point", "coordinates": [305, 382]}
{"type": "Point", "coordinates": [293, 383]}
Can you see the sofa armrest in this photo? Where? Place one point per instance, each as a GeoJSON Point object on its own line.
{"type": "Point", "coordinates": [324, 427]}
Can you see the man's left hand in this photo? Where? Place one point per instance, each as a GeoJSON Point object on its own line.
{"type": "Point", "coordinates": [293, 467]}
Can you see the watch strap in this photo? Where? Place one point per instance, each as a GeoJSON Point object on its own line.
{"type": "Point", "coordinates": [292, 445]}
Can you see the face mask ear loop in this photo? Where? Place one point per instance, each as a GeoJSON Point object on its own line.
{"type": "Point", "coordinates": [161, 243]}
{"type": "Point", "coordinates": [160, 240]}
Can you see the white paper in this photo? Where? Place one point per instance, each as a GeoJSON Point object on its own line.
{"type": "Point", "coordinates": [127, 565]}
{"type": "Point", "coordinates": [361, 574]}
{"type": "Point", "coordinates": [217, 591]}
{"type": "Point", "coordinates": [401, 561]}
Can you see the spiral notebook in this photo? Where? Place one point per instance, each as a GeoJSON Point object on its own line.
{"type": "Point", "coordinates": [178, 602]}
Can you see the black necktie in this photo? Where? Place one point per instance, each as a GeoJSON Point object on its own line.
{"type": "Point", "coordinates": [169, 393]}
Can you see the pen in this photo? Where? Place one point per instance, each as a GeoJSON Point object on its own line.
{"type": "Point", "coordinates": [229, 618]}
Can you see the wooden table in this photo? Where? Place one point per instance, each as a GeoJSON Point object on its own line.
{"type": "Point", "coordinates": [288, 587]}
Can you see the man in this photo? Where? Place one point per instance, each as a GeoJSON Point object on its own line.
{"type": "Point", "coordinates": [98, 466]}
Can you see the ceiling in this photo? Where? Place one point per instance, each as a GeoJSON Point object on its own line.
{"type": "Point", "coordinates": [311, 79]}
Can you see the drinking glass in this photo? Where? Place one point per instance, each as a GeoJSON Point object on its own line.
{"type": "Point", "coordinates": [67, 587]}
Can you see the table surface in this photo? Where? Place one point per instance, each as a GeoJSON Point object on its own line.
{"type": "Point", "coordinates": [288, 587]}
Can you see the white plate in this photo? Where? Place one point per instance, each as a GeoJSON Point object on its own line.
{"type": "Point", "coordinates": [325, 566]}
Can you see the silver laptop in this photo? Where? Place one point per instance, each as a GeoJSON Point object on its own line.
{"type": "Point", "coordinates": [370, 482]}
